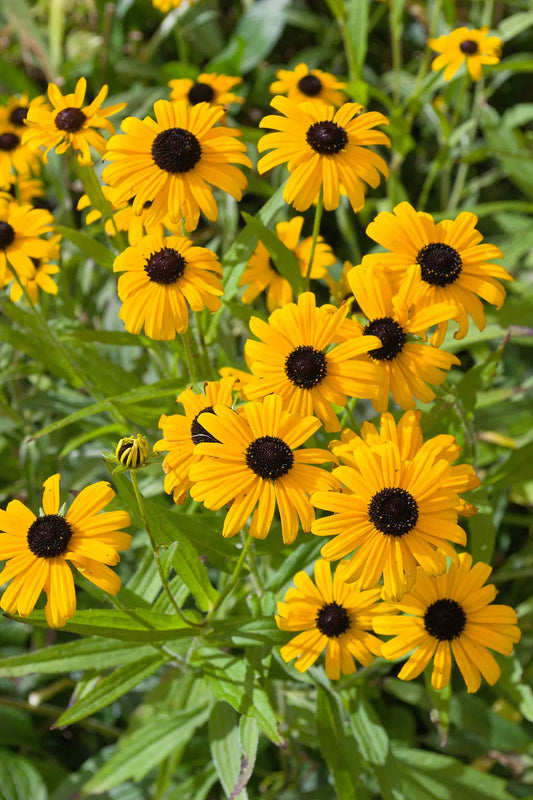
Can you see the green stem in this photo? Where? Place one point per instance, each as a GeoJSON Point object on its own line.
{"type": "Point", "coordinates": [46, 710]}
{"type": "Point", "coordinates": [316, 231]}
{"type": "Point", "coordinates": [155, 548]}
{"type": "Point", "coordinates": [93, 190]}
{"type": "Point", "coordinates": [396, 47]}
{"type": "Point", "coordinates": [459, 101]}
{"type": "Point", "coordinates": [234, 578]}
{"type": "Point", "coordinates": [462, 171]}
{"type": "Point", "coordinates": [186, 339]}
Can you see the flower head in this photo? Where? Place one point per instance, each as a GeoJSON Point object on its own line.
{"type": "Point", "coordinates": [207, 88]}
{"type": "Point", "coordinates": [303, 85]}
{"type": "Point", "coordinates": [40, 277]}
{"type": "Point", "coordinates": [123, 218]}
{"type": "Point", "coordinates": [172, 161]}
{"type": "Point", "coordinates": [451, 615]}
{"type": "Point", "coordinates": [21, 229]}
{"type": "Point", "coordinates": [16, 158]}
{"type": "Point", "coordinates": [161, 275]}
{"type": "Point", "coordinates": [330, 614]}
{"type": "Point", "coordinates": [38, 550]}
{"type": "Point", "coordinates": [325, 149]}
{"type": "Point", "coordinates": [132, 451]}
{"type": "Point", "coordinates": [465, 45]}
{"type": "Point", "coordinates": [253, 463]}
{"type": "Point", "coordinates": [68, 123]}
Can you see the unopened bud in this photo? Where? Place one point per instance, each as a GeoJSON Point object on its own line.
{"type": "Point", "coordinates": [132, 451]}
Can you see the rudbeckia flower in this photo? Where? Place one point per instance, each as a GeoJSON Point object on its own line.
{"type": "Point", "coordinates": [451, 618]}
{"type": "Point", "coordinates": [15, 157]}
{"type": "Point", "coordinates": [21, 229]}
{"type": "Point", "coordinates": [325, 149]}
{"type": "Point", "coordinates": [172, 161]}
{"type": "Point", "coordinates": [40, 550]}
{"type": "Point", "coordinates": [254, 464]}
{"type": "Point", "coordinates": [207, 88]}
{"type": "Point", "coordinates": [261, 272]}
{"type": "Point", "coordinates": [123, 218]}
{"type": "Point", "coordinates": [330, 614]}
{"type": "Point", "coordinates": [69, 123]}
{"type": "Point", "coordinates": [40, 278]}
{"type": "Point", "coordinates": [455, 266]}
{"type": "Point", "coordinates": [465, 44]}
{"type": "Point", "coordinates": [303, 85]}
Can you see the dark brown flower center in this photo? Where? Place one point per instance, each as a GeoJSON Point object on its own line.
{"type": "Point", "coordinates": [176, 150]}
{"type": "Point", "coordinates": [165, 266]}
{"type": "Point", "coordinates": [310, 85]}
{"type": "Point", "coordinates": [469, 47]}
{"type": "Point", "coordinates": [199, 435]}
{"type": "Point", "coordinates": [200, 93]}
{"type": "Point", "coordinates": [70, 119]}
{"type": "Point", "coordinates": [393, 511]}
{"type": "Point", "coordinates": [440, 264]}
{"type": "Point", "coordinates": [49, 536]}
{"type": "Point", "coordinates": [18, 115]}
{"type": "Point", "coordinates": [269, 457]}
{"type": "Point", "coordinates": [332, 620]}
{"type": "Point", "coordinates": [305, 366]}
{"type": "Point", "coordinates": [7, 235]}
{"type": "Point", "coordinates": [391, 336]}
{"type": "Point", "coordinates": [9, 141]}
{"type": "Point", "coordinates": [326, 138]}
{"type": "Point", "coordinates": [445, 620]}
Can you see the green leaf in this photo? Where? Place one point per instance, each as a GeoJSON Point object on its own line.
{"type": "Point", "coordinates": [225, 747]}
{"type": "Point", "coordinates": [284, 259]}
{"type": "Point", "coordinates": [481, 529]}
{"type": "Point", "coordinates": [260, 28]}
{"type": "Point", "coordinates": [88, 246]}
{"type": "Point", "coordinates": [369, 732]}
{"type": "Point", "coordinates": [19, 780]}
{"type": "Point", "coordinates": [334, 745]}
{"type": "Point", "coordinates": [357, 25]}
{"type": "Point", "coordinates": [243, 631]}
{"type": "Point", "coordinates": [100, 432]}
{"type": "Point", "coordinates": [514, 25]}
{"type": "Point", "coordinates": [113, 686]}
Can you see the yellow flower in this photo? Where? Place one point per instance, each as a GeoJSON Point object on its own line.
{"type": "Point", "coordinates": [295, 358]}
{"type": "Point", "coordinates": [69, 123]}
{"type": "Point", "coordinates": [331, 614]}
{"type": "Point", "coordinates": [166, 5]}
{"type": "Point", "coordinates": [304, 85]}
{"type": "Point", "coordinates": [207, 88]}
{"type": "Point", "coordinates": [38, 549]}
{"type": "Point", "coordinates": [450, 616]}
{"type": "Point", "coordinates": [254, 465]}
{"type": "Point", "coordinates": [21, 229]}
{"type": "Point", "coordinates": [454, 266]}
{"type": "Point", "coordinates": [395, 514]}
{"type": "Point", "coordinates": [172, 161]}
{"type": "Point", "coordinates": [182, 432]}
{"type": "Point", "coordinates": [162, 275]}
{"type": "Point", "coordinates": [15, 156]}
{"type": "Point", "coordinates": [132, 451]}
{"type": "Point", "coordinates": [25, 191]}
{"type": "Point", "coordinates": [39, 278]}
{"type": "Point", "coordinates": [400, 366]}
{"type": "Point", "coordinates": [123, 219]}
{"type": "Point", "coordinates": [465, 44]}
{"type": "Point", "coordinates": [261, 272]}
{"type": "Point", "coordinates": [325, 149]}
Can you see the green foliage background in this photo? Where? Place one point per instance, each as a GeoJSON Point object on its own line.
{"type": "Point", "coordinates": [145, 708]}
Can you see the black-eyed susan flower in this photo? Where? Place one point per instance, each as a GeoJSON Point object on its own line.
{"type": "Point", "coordinates": [407, 435]}
{"type": "Point", "coordinates": [123, 218]}
{"type": "Point", "coordinates": [402, 367]}
{"type": "Point", "coordinates": [325, 149]}
{"type": "Point", "coordinates": [21, 229]}
{"type": "Point", "coordinates": [173, 162]}
{"type": "Point", "coordinates": [40, 278]}
{"type": "Point", "coordinates": [261, 272]}
{"type": "Point", "coordinates": [451, 618]}
{"type": "Point", "coordinates": [303, 85]}
{"type": "Point", "coordinates": [298, 359]}
{"type": "Point", "coordinates": [182, 432]}
{"type": "Point", "coordinates": [26, 191]}
{"type": "Point", "coordinates": [209, 87]}
{"type": "Point", "coordinates": [15, 157]}
{"type": "Point", "coordinates": [394, 514]}
{"type": "Point", "coordinates": [132, 451]}
{"type": "Point", "coordinates": [167, 5]}
{"type": "Point", "coordinates": [161, 276]}
{"type": "Point", "coordinates": [331, 614]}
{"type": "Point", "coordinates": [455, 267]}
{"type": "Point", "coordinates": [68, 123]}
{"type": "Point", "coordinates": [465, 45]}
{"type": "Point", "coordinates": [255, 465]}
{"type": "Point", "coordinates": [40, 550]}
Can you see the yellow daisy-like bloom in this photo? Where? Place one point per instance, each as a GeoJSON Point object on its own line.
{"type": "Point", "coordinates": [465, 45]}
{"type": "Point", "coordinates": [395, 514]}
{"type": "Point", "coordinates": [450, 616]}
{"type": "Point", "coordinates": [407, 436]}
{"type": "Point", "coordinates": [402, 367]}
{"type": "Point", "coordinates": [69, 123]}
{"type": "Point", "coordinates": [167, 5]}
{"type": "Point", "coordinates": [14, 155]}
{"type": "Point", "coordinates": [207, 88]}
{"type": "Point", "coordinates": [171, 162]}
{"type": "Point", "coordinates": [261, 272]}
{"type": "Point", "coordinates": [182, 432]}
{"type": "Point", "coordinates": [20, 230]}
{"type": "Point", "coordinates": [304, 85]}
{"type": "Point", "coordinates": [331, 614]}
{"type": "Point", "coordinates": [123, 219]}
{"type": "Point", "coordinates": [25, 191]}
{"type": "Point", "coordinates": [38, 550]}
{"type": "Point", "coordinates": [295, 358]}
{"type": "Point", "coordinates": [254, 464]}
{"type": "Point", "coordinates": [325, 149]}
{"type": "Point", "coordinates": [40, 278]}
{"type": "Point", "coordinates": [454, 266]}
{"type": "Point", "coordinates": [162, 275]}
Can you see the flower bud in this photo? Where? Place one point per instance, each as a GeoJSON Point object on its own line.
{"type": "Point", "coordinates": [132, 451]}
